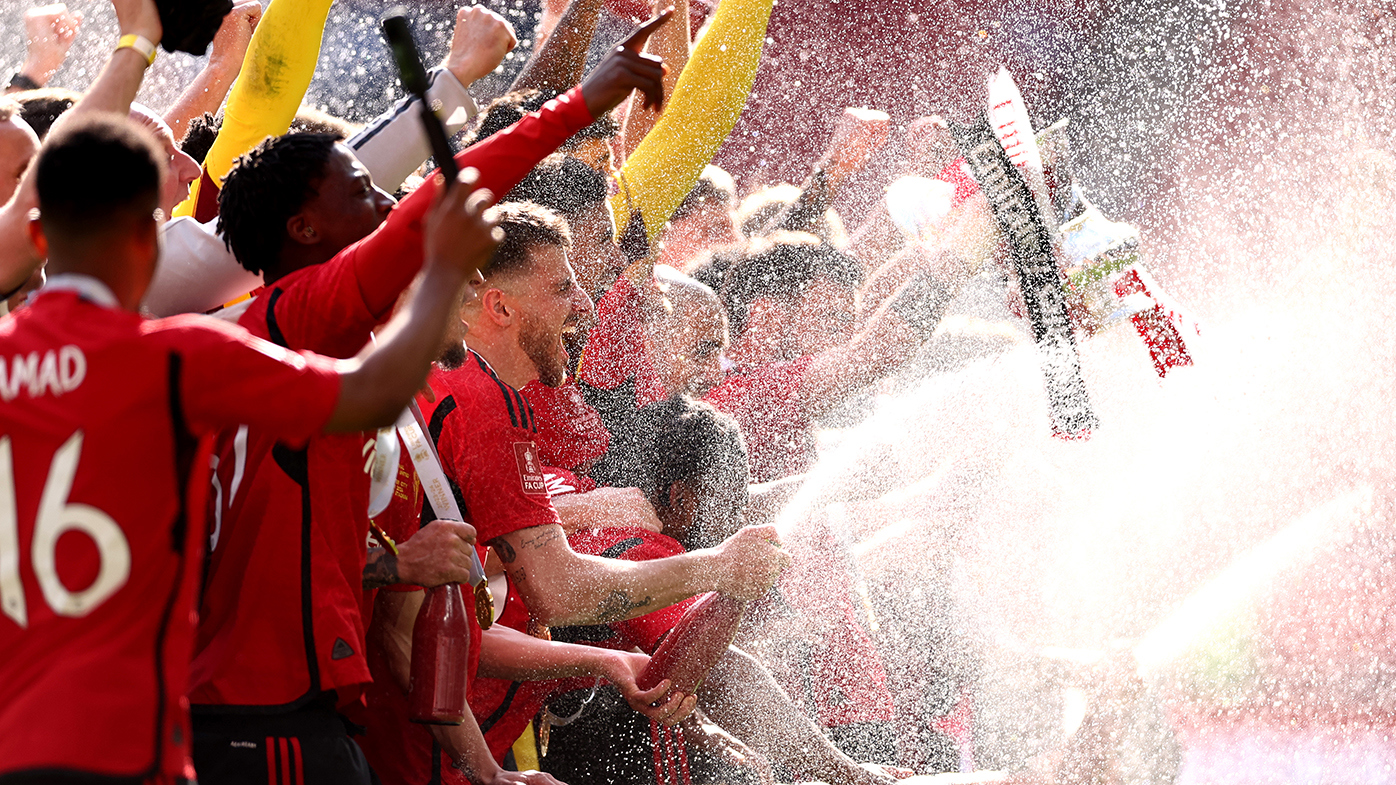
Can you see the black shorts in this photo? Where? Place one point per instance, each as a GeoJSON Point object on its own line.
{"type": "Point", "coordinates": [308, 746]}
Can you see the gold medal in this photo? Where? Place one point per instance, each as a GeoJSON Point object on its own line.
{"type": "Point", "coordinates": [484, 605]}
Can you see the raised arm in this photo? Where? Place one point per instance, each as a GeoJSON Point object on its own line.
{"type": "Point", "coordinates": [48, 35]}
{"type": "Point", "coordinates": [561, 586]}
{"type": "Point", "coordinates": [462, 233]}
{"type": "Point", "coordinates": [120, 80]}
{"type": "Point", "coordinates": [210, 87]}
{"type": "Point", "coordinates": [395, 144]}
{"type": "Point", "coordinates": [672, 43]}
{"type": "Point", "coordinates": [275, 73]}
{"type": "Point", "coordinates": [858, 134]}
{"type": "Point", "coordinates": [929, 148]}
{"type": "Point", "coordinates": [708, 99]}
{"type": "Point", "coordinates": [387, 260]}
{"type": "Point", "coordinates": [562, 58]}
{"type": "Point", "coordinates": [113, 91]}
{"type": "Point", "coordinates": [890, 337]}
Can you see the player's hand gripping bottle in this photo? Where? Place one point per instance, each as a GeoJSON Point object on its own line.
{"type": "Point", "coordinates": [695, 644]}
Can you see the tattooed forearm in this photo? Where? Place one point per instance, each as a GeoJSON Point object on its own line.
{"type": "Point", "coordinates": [381, 569]}
{"type": "Point", "coordinates": [618, 606]}
{"type": "Point", "coordinates": [504, 549]}
{"type": "Point", "coordinates": [543, 538]}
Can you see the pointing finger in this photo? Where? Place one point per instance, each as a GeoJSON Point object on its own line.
{"type": "Point", "coordinates": [636, 40]}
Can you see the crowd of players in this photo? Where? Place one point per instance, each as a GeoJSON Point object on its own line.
{"type": "Point", "coordinates": [609, 350]}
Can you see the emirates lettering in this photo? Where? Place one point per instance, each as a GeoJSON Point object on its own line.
{"type": "Point", "coordinates": [37, 374]}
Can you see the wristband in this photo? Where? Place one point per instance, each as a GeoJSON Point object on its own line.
{"type": "Point", "coordinates": [22, 82]}
{"type": "Point", "coordinates": [139, 43]}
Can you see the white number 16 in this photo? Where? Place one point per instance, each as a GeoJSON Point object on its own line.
{"type": "Point", "coordinates": [56, 516]}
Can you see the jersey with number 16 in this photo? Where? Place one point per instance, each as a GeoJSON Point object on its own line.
{"type": "Point", "coordinates": [102, 415]}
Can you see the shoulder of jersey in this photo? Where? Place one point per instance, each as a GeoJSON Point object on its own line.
{"type": "Point", "coordinates": [475, 387]}
{"type": "Point", "coordinates": [614, 543]}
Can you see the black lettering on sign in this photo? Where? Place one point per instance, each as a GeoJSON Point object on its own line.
{"type": "Point", "coordinates": [1022, 224]}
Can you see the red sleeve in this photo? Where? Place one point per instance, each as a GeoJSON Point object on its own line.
{"type": "Point", "coordinates": [387, 260]}
{"type": "Point", "coordinates": [320, 309]}
{"type": "Point", "coordinates": [498, 474]}
{"type": "Point", "coordinates": [561, 482]}
{"type": "Point", "coordinates": [645, 632]}
{"type": "Point", "coordinates": [229, 377]}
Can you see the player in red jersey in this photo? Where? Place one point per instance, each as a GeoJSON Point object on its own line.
{"type": "Point", "coordinates": [105, 436]}
{"type": "Point", "coordinates": [288, 559]}
{"type": "Point", "coordinates": [515, 335]}
{"type": "Point", "coordinates": [484, 427]}
{"type": "Point", "coordinates": [489, 488]}
{"type": "Point", "coordinates": [695, 474]}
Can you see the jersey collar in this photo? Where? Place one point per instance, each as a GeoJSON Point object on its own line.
{"type": "Point", "coordinates": [87, 288]}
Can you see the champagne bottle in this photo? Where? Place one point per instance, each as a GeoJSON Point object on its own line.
{"type": "Point", "coordinates": [440, 648]}
{"type": "Point", "coordinates": [695, 644]}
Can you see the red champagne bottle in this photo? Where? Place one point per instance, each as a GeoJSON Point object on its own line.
{"type": "Point", "coordinates": [440, 649]}
{"type": "Point", "coordinates": [695, 644]}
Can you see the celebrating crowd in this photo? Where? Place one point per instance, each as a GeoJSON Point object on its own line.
{"type": "Point", "coordinates": [269, 380]}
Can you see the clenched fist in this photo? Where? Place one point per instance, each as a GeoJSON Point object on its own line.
{"type": "Point", "coordinates": [749, 562]}
{"type": "Point", "coordinates": [234, 36]}
{"type": "Point", "coordinates": [49, 32]}
{"type": "Point", "coordinates": [481, 40]}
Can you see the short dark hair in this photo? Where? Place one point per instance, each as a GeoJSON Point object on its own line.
{"type": "Point", "coordinates": [714, 264]}
{"type": "Point", "coordinates": [264, 189]}
{"type": "Point", "coordinates": [714, 187]}
{"type": "Point", "coordinates": [40, 108]}
{"type": "Point", "coordinates": [510, 108]}
{"type": "Point", "coordinates": [562, 184]}
{"type": "Point", "coordinates": [525, 226]}
{"type": "Point", "coordinates": [783, 268]}
{"type": "Point", "coordinates": [199, 137]}
{"type": "Point", "coordinates": [683, 440]}
{"type": "Point", "coordinates": [71, 200]}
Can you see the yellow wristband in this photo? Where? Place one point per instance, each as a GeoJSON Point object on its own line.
{"type": "Point", "coordinates": [139, 43]}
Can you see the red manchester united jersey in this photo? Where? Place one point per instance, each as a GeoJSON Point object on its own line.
{"type": "Point", "coordinates": [100, 441]}
{"type": "Point", "coordinates": [484, 431]}
{"type": "Point", "coordinates": [280, 619]}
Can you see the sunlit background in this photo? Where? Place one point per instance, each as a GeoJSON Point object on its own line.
{"type": "Point", "coordinates": [1233, 524]}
